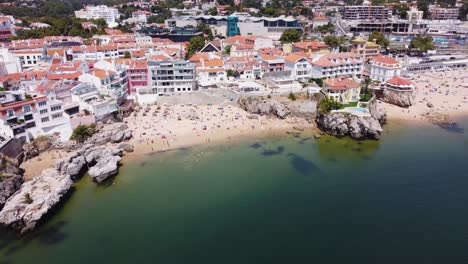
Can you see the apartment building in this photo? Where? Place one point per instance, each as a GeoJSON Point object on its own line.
{"type": "Point", "coordinates": [300, 68]}
{"type": "Point", "coordinates": [7, 29]}
{"type": "Point", "coordinates": [89, 98]}
{"type": "Point", "coordinates": [364, 48]}
{"type": "Point", "coordinates": [366, 12]}
{"type": "Point", "coordinates": [110, 14]}
{"type": "Point", "coordinates": [109, 79]}
{"type": "Point", "coordinates": [9, 63]}
{"type": "Point", "coordinates": [210, 72]}
{"type": "Point", "coordinates": [438, 13]}
{"type": "Point", "coordinates": [94, 53]}
{"type": "Point", "coordinates": [337, 64]}
{"type": "Point", "coordinates": [29, 117]}
{"type": "Point", "coordinates": [137, 73]}
{"type": "Point", "coordinates": [171, 77]}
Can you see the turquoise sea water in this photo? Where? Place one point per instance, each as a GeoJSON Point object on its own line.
{"type": "Point", "coordinates": [284, 200]}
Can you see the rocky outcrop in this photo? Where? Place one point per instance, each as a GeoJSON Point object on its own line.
{"type": "Point", "coordinates": [304, 109]}
{"type": "Point", "coordinates": [264, 107]}
{"type": "Point", "coordinates": [112, 133]}
{"type": "Point", "coordinates": [377, 112]}
{"type": "Point", "coordinates": [401, 99]}
{"type": "Point", "coordinates": [345, 124]}
{"type": "Point", "coordinates": [100, 161]}
{"type": "Point", "coordinates": [11, 178]}
{"type": "Point", "coordinates": [280, 109]}
{"type": "Point", "coordinates": [38, 145]}
{"type": "Point", "coordinates": [27, 206]}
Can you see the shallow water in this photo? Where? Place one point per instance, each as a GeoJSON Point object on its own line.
{"type": "Point", "coordinates": [286, 200]}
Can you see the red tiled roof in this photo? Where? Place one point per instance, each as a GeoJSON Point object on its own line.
{"type": "Point", "coordinates": [399, 81]}
{"type": "Point", "coordinates": [385, 60]}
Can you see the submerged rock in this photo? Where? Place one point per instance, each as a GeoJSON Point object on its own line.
{"type": "Point", "coordinates": [27, 206]}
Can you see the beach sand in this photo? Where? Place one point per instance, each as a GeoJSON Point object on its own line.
{"type": "Point", "coordinates": [447, 91]}
{"type": "Point", "coordinates": [210, 125]}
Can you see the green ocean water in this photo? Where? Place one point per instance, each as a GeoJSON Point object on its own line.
{"type": "Point", "coordinates": [403, 199]}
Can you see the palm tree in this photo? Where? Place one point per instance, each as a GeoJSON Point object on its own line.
{"type": "Point", "coordinates": [365, 84]}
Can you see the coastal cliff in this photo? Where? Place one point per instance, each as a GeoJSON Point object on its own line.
{"type": "Point", "coordinates": [398, 98]}
{"type": "Point", "coordinates": [35, 198]}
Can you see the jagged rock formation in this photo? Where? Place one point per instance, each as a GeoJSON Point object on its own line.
{"type": "Point", "coordinates": [114, 133]}
{"type": "Point", "coordinates": [264, 107]}
{"type": "Point", "coordinates": [101, 162]}
{"type": "Point", "coordinates": [27, 206]}
{"type": "Point", "coordinates": [280, 109]}
{"type": "Point", "coordinates": [401, 99]}
{"type": "Point", "coordinates": [378, 112]}
{"type": "Point", "coordinates": [345, 124]}
{"type": "Point", "coordinates": [11, 178]}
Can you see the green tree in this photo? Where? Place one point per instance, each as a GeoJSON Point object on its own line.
{"type": "Point", "coordinates": [292, 97]}
{"type": "Point", "coordinates": [380, 39]}
{"type": "Point", "coordinates": [290, 36]}
{"type": "Point", "coordinates": [227, 49]}
{"type": "Point", "coordinates": [365, 84]}
{"type": "Point", "coordinates": [230, 72]}
{"type": "Point", "coordinates": [422, 44]}
{"type": "Point", "coordinates": [328, 104]}
{"type": "Point", "coordinates": [334, 42]}
{"type": "Point", "coordinates": [127, 55]}
{"type": "Point", "coordinates": [194, 46]}
{"type": "Point", "coordinates": [213, 11]}
{"type": "Point", "coordinates": [83, 132]}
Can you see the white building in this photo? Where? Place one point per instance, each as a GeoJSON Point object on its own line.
{"type": "Point", "coordinates": [337, 64]}
{"type": "Point", "coordinates": [9, 63]}
{"type": "Point", "coordinates": [109, 79]}
{"type": "Point", "coordinates": [28, 58]}
{"type": "Point", "coordinates": [300, 68]}
{"type": "Point", "coordinates": [30, 117]}
{"type": "Point", "coordinates": [384, 68]}
{"type": "Point", "coordinates": [110, 14]}
{"type": "Point", "coordinates": [89, 98]}
{"type": "Point", "coordinates": [210, 72]}
{"type": "Point", "coordinates": [167, 78]}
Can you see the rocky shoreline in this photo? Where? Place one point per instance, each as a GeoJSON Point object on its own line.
{"type": "Point", "coordinates": [25, 204]}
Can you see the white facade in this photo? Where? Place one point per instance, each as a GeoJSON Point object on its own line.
{"type": "Point", "coordinates": [300, 68]}
{"type": "Point", "coordinates": [384, 68]}
{"type": "Point", "coordinates": [89, 98]}
{"type": "Point", "coordinates": [9, 63]}
{"type": "Point", "coordinates": [28, 59]}
{"type": "Point", "coordinates": [109, 79]}
{"type": "Point", "coordinates": [170, 77]}
{"type": "Point", "coordinates": [109, 14]}
{"type": "Point", "coordinates": [32, 117]}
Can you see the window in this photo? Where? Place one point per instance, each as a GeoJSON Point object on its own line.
{"type": "Point", "coordinates": [45, 119]}
{"type": "Point", "coordinates": [10, 112]}
{"type": "Point", "coordinates": [55, 108]}
{"type": "Point", "coordinates": [27, 108]}
{"type": "Point", "coordinates": [55, 116]}
{"type": "Point", "coordinates": [43, 111]}
{"type": "Point", "coordinates": [42, 103]}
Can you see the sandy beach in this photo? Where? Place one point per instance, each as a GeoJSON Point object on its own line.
{"type": "Point", "coordinates": [178, 126]}
{"type": "Point", "coordinates": [446, 91]}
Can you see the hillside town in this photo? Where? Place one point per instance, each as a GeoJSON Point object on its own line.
{"type": "Point", "coordinates": [169, 74]}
